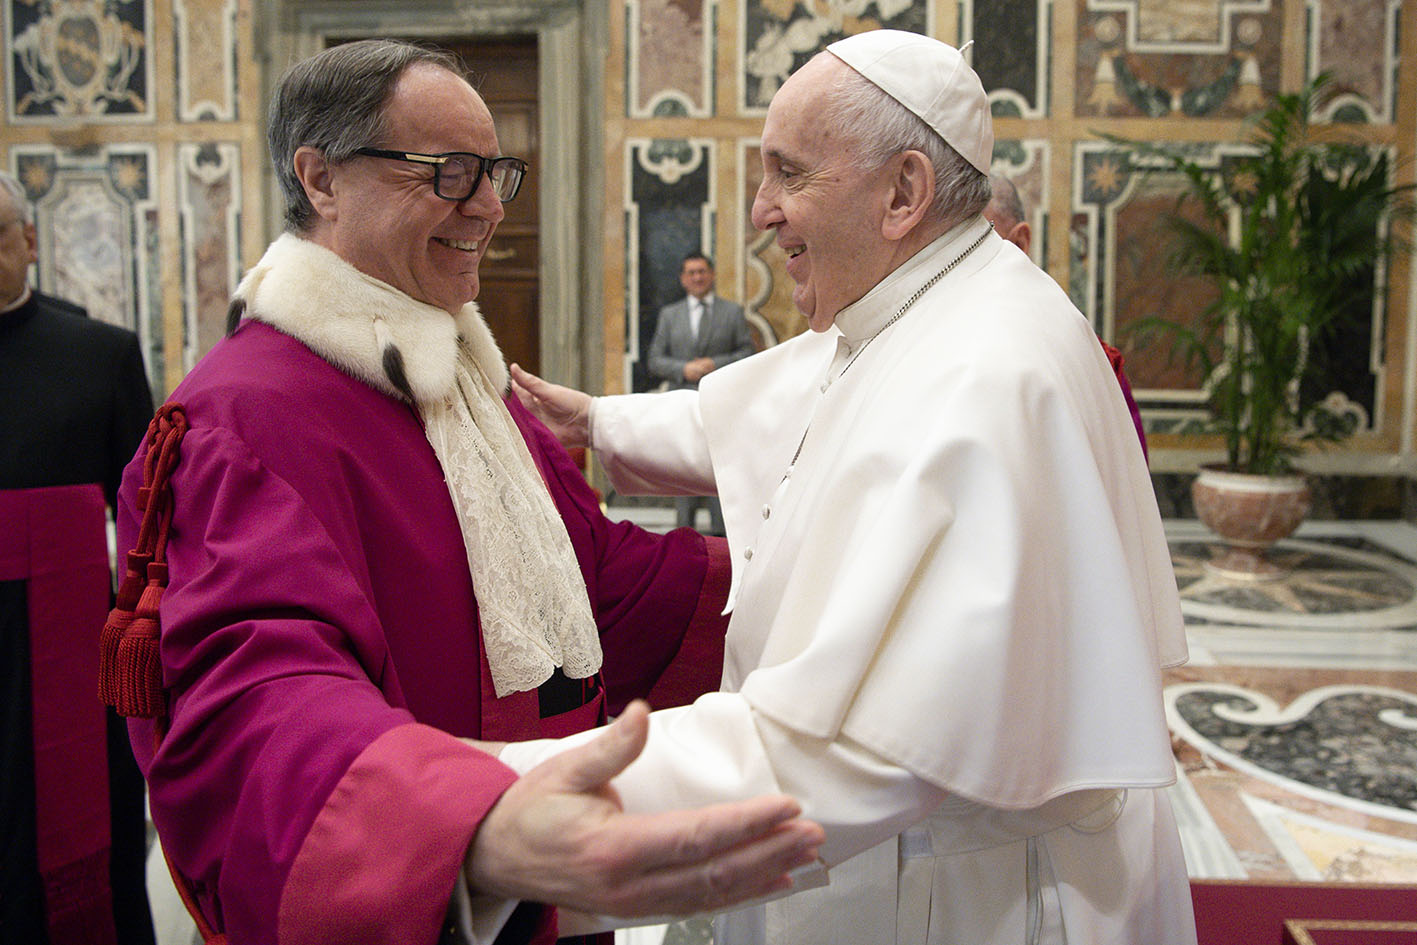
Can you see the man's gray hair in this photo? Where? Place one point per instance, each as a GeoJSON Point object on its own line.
{"type": "Point", "coordinates": [12, 186]}
{"type": "Point", "coordinates": [1006, 202]}
{"type": "Point", "coordinates": [334, 102]}
{"type": "Point", "coordinates": [883, 127]}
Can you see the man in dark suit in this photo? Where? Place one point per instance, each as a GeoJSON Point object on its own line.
{"type": "Point", "coordinates": [695, 335]}
{"type": "Point", "coordinates": [74, 403]}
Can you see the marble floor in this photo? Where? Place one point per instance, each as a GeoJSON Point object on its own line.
{"type": "Point", "coordinates": [1294, 724]}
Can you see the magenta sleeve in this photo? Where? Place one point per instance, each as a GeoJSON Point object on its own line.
{"type": "Point", "coordinates": [380, 860]}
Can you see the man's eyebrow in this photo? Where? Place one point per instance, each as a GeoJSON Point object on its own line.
{"type": "Point", "coordinates": [780, 156]}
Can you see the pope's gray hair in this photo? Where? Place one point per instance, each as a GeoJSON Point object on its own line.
{"type": "Point", "coordinates": [882, 127]}
{"type": "Point", "coordinates": [334, 102]}
{"type": "Point", "coordinates": [12, 186]}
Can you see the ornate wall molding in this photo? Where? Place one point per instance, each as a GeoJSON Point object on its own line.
{"type": "Point", "coordinates": [209, 194]}
{"type": "Point", "coordinates": [669, 58]}
{"type": "Point", "coordinates": [205, 37]}
{"type": "Point", "coordinates": [671, 201]}
{"type": "Point", "coordinates": [1012, 43]}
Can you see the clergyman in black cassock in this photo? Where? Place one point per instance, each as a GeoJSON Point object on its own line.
{"type": "Point", "coordinates": [74, 404]}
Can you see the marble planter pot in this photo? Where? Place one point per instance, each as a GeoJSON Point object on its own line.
{"type": "Point", "coordinates": [1250, 513]}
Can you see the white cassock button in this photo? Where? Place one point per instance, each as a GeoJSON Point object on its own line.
{"type": "Point", "coordinates": [748, 554]}
{"type": "Point", "coordinates": [767, 510]}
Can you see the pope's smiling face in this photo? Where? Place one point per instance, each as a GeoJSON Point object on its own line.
{"type": "Point", "coordinates": [826, 208]}
{"type": "Point", "coordinates": [386, 220]}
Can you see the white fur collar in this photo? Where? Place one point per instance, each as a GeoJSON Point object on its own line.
{"type": "Point", "coordinates": [361, 325]}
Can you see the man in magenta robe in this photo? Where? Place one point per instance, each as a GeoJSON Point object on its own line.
{"type": "Point", "coordinates": [375, 554]}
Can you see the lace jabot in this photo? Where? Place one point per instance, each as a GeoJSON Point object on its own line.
{"type": "Point", "coordinates": [530, 592]}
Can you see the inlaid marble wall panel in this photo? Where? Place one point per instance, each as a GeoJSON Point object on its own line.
{"type": "Point", "coordinates": [780, 35]}
{"type": "Point", "coordinates": [1177, 58]}
{"type": "Point", "coordinates": [669, 58]}
{"type": "Point", "coordinates": [1356, 42]}
{"type": "Point", "coordinates": [95, 216]}
{"type": "Point", "coordinates": [205, 37]}
{"type": "Point", "coordinates": [1121, 272]}
{"type": "Point", "coordinates": [670, 212]}
{"type": "Point", "coordinates": [78, 59]}
{"type": "Point", "coordinates": [209, 188]}
{"type": "Point", "coordinates": [1010, 53]}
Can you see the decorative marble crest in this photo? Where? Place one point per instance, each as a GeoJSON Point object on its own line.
{"type": "Point", "coordinates": [77, 59]}
{"type": "Point", "coordinates": [781, 35]}
{"type": "Point", "coordinates": [1221, 58]}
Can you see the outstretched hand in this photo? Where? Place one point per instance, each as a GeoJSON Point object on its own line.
{"type": "Point", "coordinates": [565, 411]}
{"type": "Point", "coordinates": [559, 835]}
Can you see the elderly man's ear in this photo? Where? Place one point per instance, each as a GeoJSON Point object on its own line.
{"type": "Point", "coordinates": [912, 193]}
{"type": "Point", "coordinates": [314, 173]}
{"type": "Point", "coordinates": [1020, 234]}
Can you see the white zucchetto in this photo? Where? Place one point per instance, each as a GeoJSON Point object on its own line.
{"type": "Point", "coordinates": [931, 79]}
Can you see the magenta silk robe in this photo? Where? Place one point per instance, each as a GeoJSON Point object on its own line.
{"type": "Point", "coordinates": [321, 648]}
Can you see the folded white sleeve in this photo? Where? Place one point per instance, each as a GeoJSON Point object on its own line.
{"type": "Point", "coordinates": [720, 750]}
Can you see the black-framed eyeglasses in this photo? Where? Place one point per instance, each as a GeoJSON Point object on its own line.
{"type": "Point", "coordinates": [456, 174]}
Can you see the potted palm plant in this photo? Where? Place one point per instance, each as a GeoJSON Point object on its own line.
{"type": "Point", "coordinates": [1289, 235]}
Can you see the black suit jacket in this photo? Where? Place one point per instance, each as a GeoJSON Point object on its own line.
{"type": "Point", "coordinates": [74, 398]}
{"type": "Point", "coordinates": [74, 404]}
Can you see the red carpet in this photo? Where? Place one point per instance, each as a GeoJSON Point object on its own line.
{"type": "Point", "coordinates": [1236, 913]}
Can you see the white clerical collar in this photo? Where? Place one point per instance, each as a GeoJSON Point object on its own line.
{"type": "Point", "coordinates": [19, 300]}
{"type": "Point", "coordinates": [866, 316]}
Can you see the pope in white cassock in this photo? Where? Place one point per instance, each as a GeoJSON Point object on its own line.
{"type": "Point", "coordinates": [952, 595]}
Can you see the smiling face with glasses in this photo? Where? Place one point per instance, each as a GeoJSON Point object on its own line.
{"type": "Point", "coordinates": [418, 216]}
